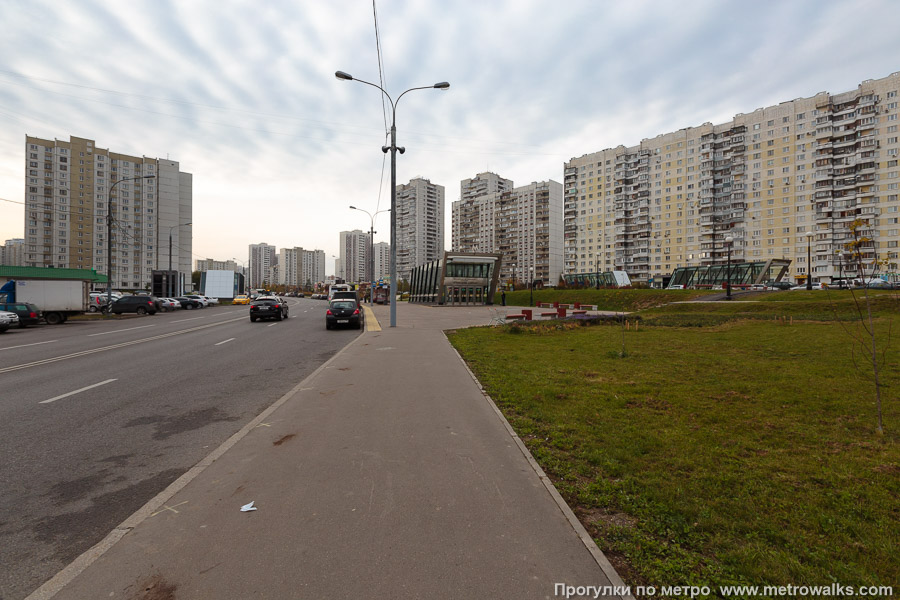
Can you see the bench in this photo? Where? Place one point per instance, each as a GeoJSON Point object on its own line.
{"type": "Point", "coordinates": [515, 317]}
{"type": "Point", "coordinates": [579, 312]}
{"type": "Point", "coordinates": [552, 313]}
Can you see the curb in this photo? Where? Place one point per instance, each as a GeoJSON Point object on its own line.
{"type": "Point", "coordinates": [580, 531]}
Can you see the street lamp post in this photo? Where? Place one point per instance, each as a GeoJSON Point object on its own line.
{"type": "Point", "coordinates": [729, 240]}
{"type": "Point", "coordinates": [809, 236]}
{"type": "Point", "coordinates": [109, 224]}
{"type": "Point", "coordinates": [371, 249]}
{"type": "Point", "coordinates": [842, 257]}
{"type": "Point", "coordinates": [531, 285]}
{"type": "Point", "coordinates": [393, 150]}
{"type": "Point", "coordinates": [169, 289]}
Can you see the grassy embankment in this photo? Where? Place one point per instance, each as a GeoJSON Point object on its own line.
{"type": "Point", "coordinates": [736, 449]}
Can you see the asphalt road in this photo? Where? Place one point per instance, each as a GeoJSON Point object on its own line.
{"type": "Point", "coordinates": [97, 417]}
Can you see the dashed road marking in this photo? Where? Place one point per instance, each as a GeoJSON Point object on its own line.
{"type": "Point", "coordinates": [84, 389]}
{"type": "Point", "coordinates": [26, 345]}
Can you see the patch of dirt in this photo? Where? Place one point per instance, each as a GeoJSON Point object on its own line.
{"type": "Point", "coordinates": [284, 439]}
{"type": "Point", "coordinates": [889, 469]}
{"type": "Point", "coordinates": [600, 518]}
{"type": "Point", "coordinates": [154, 588]}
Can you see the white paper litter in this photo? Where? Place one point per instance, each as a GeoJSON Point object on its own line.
{"type": "Point", "coordinates": [248, 507]}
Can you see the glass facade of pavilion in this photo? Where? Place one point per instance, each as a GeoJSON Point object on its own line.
{"type": "Point", "coordinates": [714, 276]}
{"type": "Point", "coordinates": [457, 279]}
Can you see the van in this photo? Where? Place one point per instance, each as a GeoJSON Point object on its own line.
{"type": "Point", "coordinates": [345, 295]}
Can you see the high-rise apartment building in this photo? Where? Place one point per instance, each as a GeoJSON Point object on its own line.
{"type": "Point", "coordinates": [420, 225]}
{"type": "Point", "coordinates": [382, 260]}
{"type": "Point", "coordinates": [259, 266]}
{"type": "Point", "coordinates": [312, 268]}
{"type": "Point", "coordinates": [299, 268]}
{"type": "Point", "coordinates": [353, 259]}
{"type": "Point", "coordinates": [762, 181]}
{"type": "Point", "coordinates": [210, 264]}
{"type": "Point", "coordinates": [524, 224]}
{"type": "Point", "coordinates": [12, 253]}
{"type": "Point", "coordinates": [468, 223]}
{"type": "Point", "coordinates": [290, 263]}
{"type": "Point", "coordinates": [68, 187]}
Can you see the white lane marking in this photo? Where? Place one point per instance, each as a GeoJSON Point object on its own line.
{"type": "Point", "coordinates": [84, 389]}
{"type": "Point", "coordinates": [191, 319]}
{"type": "Point", "coordinates": [225, 342]}
{"type": "Point", "coordinates": [272, 324]}
{"type": "Point", "coordinates": [118, 330]}
{"type": "Point", "coordinates": [45, 361]}
{"type": "Point", "coordinates": [26, 345]}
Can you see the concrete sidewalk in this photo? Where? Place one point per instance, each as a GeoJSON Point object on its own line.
{"type": "Point", "coordinates": [385, 474]}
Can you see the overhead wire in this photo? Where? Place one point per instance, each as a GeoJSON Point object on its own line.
{"type": "Point", "coordinates": [383, 109]}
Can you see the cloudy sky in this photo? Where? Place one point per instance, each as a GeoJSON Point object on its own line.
{"type": "Point", "coordinates": [243, 93]}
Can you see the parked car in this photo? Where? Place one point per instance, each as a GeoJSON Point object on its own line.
{"type": "Point", "coordinates": [779, 285]}
{"type": "Point", "coordinates": [28, 314]}
{"type": "Point", "coordinates": [189, 303]}
{"type": "Point", "coordinates": [343, 312]}
{"type": "Point", "coordinates": [880, 284]}
{"type": "Point", "coordinates": [758, 287]}
{"type": "Point", "coordinates": [98, 300]}
{"type": "Point", "coordinates": [815, 286]}
{"type": "Point", "coordinates": [211, 301]}
{"type": "Point", "coordinates": [169, 304]}
{"type": "Point", "coordinates": [142, 305]}
{"type": "Point", "coordinates": [268, 307]}
{"type": "Point", "coordinates": [242, 299]}
{"type": "Point", "coordinates": [7, 320]}
{"type": "Point", "coordinates": [201, 299]}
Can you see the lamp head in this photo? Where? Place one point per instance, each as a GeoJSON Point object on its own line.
{"type": "Point", "coordinates": [353, 207]}
{"type": "Point", "coordinates": [344, 76]}
{"type": "Point", "coordinates": [442, 85]}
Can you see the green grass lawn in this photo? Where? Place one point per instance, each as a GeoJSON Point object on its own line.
{"type": "Point", "coordinates": [740, 452]}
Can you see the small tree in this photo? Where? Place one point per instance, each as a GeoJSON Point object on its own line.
{"type": "Point", "coordinates": [864, 335]}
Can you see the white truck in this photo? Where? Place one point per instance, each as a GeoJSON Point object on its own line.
{"type": "Point", "coordinates": [58, 299]}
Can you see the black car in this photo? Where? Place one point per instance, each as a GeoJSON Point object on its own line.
{"type": "Point", "coordinates": [142, 305]}
{"type": "Point", "coordinates": [29, 314]}
{"type": "Point", "coordinates": [344, 312]}
{"type": "Point", "coordinates": [268, 307]}
{"type": "Point", "coordinates": [189, 303]}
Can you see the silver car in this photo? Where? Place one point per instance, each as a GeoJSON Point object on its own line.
{"type": "Point", "coordinates": [7, 320]}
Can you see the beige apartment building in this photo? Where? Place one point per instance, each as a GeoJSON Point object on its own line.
{"type": "Point", "coordinates": [68, 187]}
{"type": "Point", "coordinates": [762, 181]}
